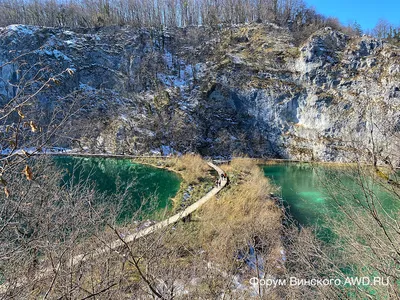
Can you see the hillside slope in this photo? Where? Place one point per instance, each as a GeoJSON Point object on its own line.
{"type": "Point", "coordinates": [245, 89]}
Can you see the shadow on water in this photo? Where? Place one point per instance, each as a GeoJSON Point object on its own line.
{"type": "Point", "coordinates": [142, 187]}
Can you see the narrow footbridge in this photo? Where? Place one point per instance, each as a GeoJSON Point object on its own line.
{"type": "Point", "coordinates": [158, 226]}
{"type": "Point", "coordinates": [116, 245]}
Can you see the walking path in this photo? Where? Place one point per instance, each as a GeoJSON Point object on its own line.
{"type": "Point", "coordinates": [117, 244]}
{"type": "Point", "coordinates": [162, 224]}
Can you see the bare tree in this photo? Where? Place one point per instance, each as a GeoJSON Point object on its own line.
{"type": "Point", "coordinates": [156, 14]}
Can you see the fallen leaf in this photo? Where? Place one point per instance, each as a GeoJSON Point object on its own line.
{"type": "Point", "coordinates": [7, 192]}
{"type": "Point", "coordinates": [28, 172]}
{"type": "Point", "coordinates": [21, 114]}
{"type": "Point", "coordinates": [33, 126]}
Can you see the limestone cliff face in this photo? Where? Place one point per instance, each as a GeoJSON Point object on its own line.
{"type": "Point", "coordinates": [243, 89]}
{"type": "Point", "coordinates": [351, 100]}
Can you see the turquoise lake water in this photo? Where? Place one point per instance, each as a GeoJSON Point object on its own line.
{"type": "Point", "coordinates": [307, 190]}
{"type": "Point", "coordinates": [112, 175]}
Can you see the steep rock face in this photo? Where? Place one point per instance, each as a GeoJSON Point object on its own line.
{"type": "Point", "coordinates": [243, 89]}
{"type": "Point", "coordinates": [332, 99]}
{"type": "Point", "coordinates": [351, 105]}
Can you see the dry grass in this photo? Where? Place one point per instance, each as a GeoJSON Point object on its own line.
{"type": "Point", "coordinates": [243, 213]}
{"type": "Point", "coordinates": [207, 247]}
{"type": "Point", "coordinates": [192, 168]}
{"type": "Point", "coordinates": [241, 164]}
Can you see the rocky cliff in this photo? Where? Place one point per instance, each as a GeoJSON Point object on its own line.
{"type": "Point", "coordinates": [246, 89]}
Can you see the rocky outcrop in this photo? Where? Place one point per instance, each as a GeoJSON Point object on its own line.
{"type": "Point", "coordinates": [350, 106]}
{"type": "Point", "coordinates": [245, 89]}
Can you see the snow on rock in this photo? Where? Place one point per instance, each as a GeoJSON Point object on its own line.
{"type": "Point", "coordinates": [33, 150]}
{"type": "Point", "coordinates": [56, 150]}
{"type": "Point", "coordinates": [184, 79]}
{"type": "Point", "coordinates": [167, 150]}
{"type": "Point", "coordinates": [55, 53]}
{"type": "Point", "coordinates": [71, 42]}
{"type": "Point", "coordinates": [58, 55]}
{"type": "Point", "coordinates": [155, 152]}
{"type": "Point", "coordinates": [67, 32]}
{"type": "Point", "coordinates": [306, 105]}
{"type": "Point", "coordinates": [21, 29]}
{"type": "Point", "coordinates": [85, 87]}
{"type": "Point", "coordinates": [168, 59]}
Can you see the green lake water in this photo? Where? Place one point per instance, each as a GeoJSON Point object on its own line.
{"type": "Point", "coordinates": [311, 193]}
{"type": "Point", "coordinates": [307, 190]}
{"type": "Point", "coordinates": [112, 175]}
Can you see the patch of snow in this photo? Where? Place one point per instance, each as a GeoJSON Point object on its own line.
{"type": "Point", "coordinates": [71, 42]}
{"type": "Point", "coordinates": [167, 150]}
{"type": "Point", "coordinates": [56, 150]}
{"type": "Point", "coordinates": [21, 29]}
{"type": "Point", "coordinates": [200, 69]}
{"type": "Point", "coordinates": [86, 87]}
{"type": "Point", "coordinates": [252, 260]}
{"type": "Point", "coordinates": [8, 151]}
{"type": "Point", "coordinates": [235, 59]}
{"type": "Point", "coordinates": [237, 281]}
{"type": "Point", "coordinates": [59, 54]}
{"type": "Point", "coordinates": [31, 150]}
{"type": "Point", "coordinates": [56, 53]}
{"type": "Point", "coordinates": [100, 140]}
{"type": "Point", "coordinates": [283, 253]}
{"type": "Point", "coordinates": [168, 59]}
{"type": "Point", "coordinates": [186, 72]}
{"type": "Point", "coordinates": [186, 76]}
{"type": "Point", "coordinates": [155, 151]}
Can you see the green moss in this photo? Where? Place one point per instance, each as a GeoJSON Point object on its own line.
{"type": "Point", "coordinates": [162, 100]}
{"type": "Point", "coordinates": [300, 151]}
{"type": "Point", "coordinates": [223, 64]}
{"type": "Point", "coordinates": [293, 52]}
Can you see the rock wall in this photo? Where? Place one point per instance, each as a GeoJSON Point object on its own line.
{"type": "Point", "coordinates": [245, 89]}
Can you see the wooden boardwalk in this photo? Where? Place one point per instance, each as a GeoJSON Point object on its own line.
{"type": "Point", "coordinates": [158, 226]}
{"type": "Point", "coordinates": [117, 244]}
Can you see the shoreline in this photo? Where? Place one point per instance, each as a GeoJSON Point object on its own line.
{"type": "Point", "coordinates": [152, 161]}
